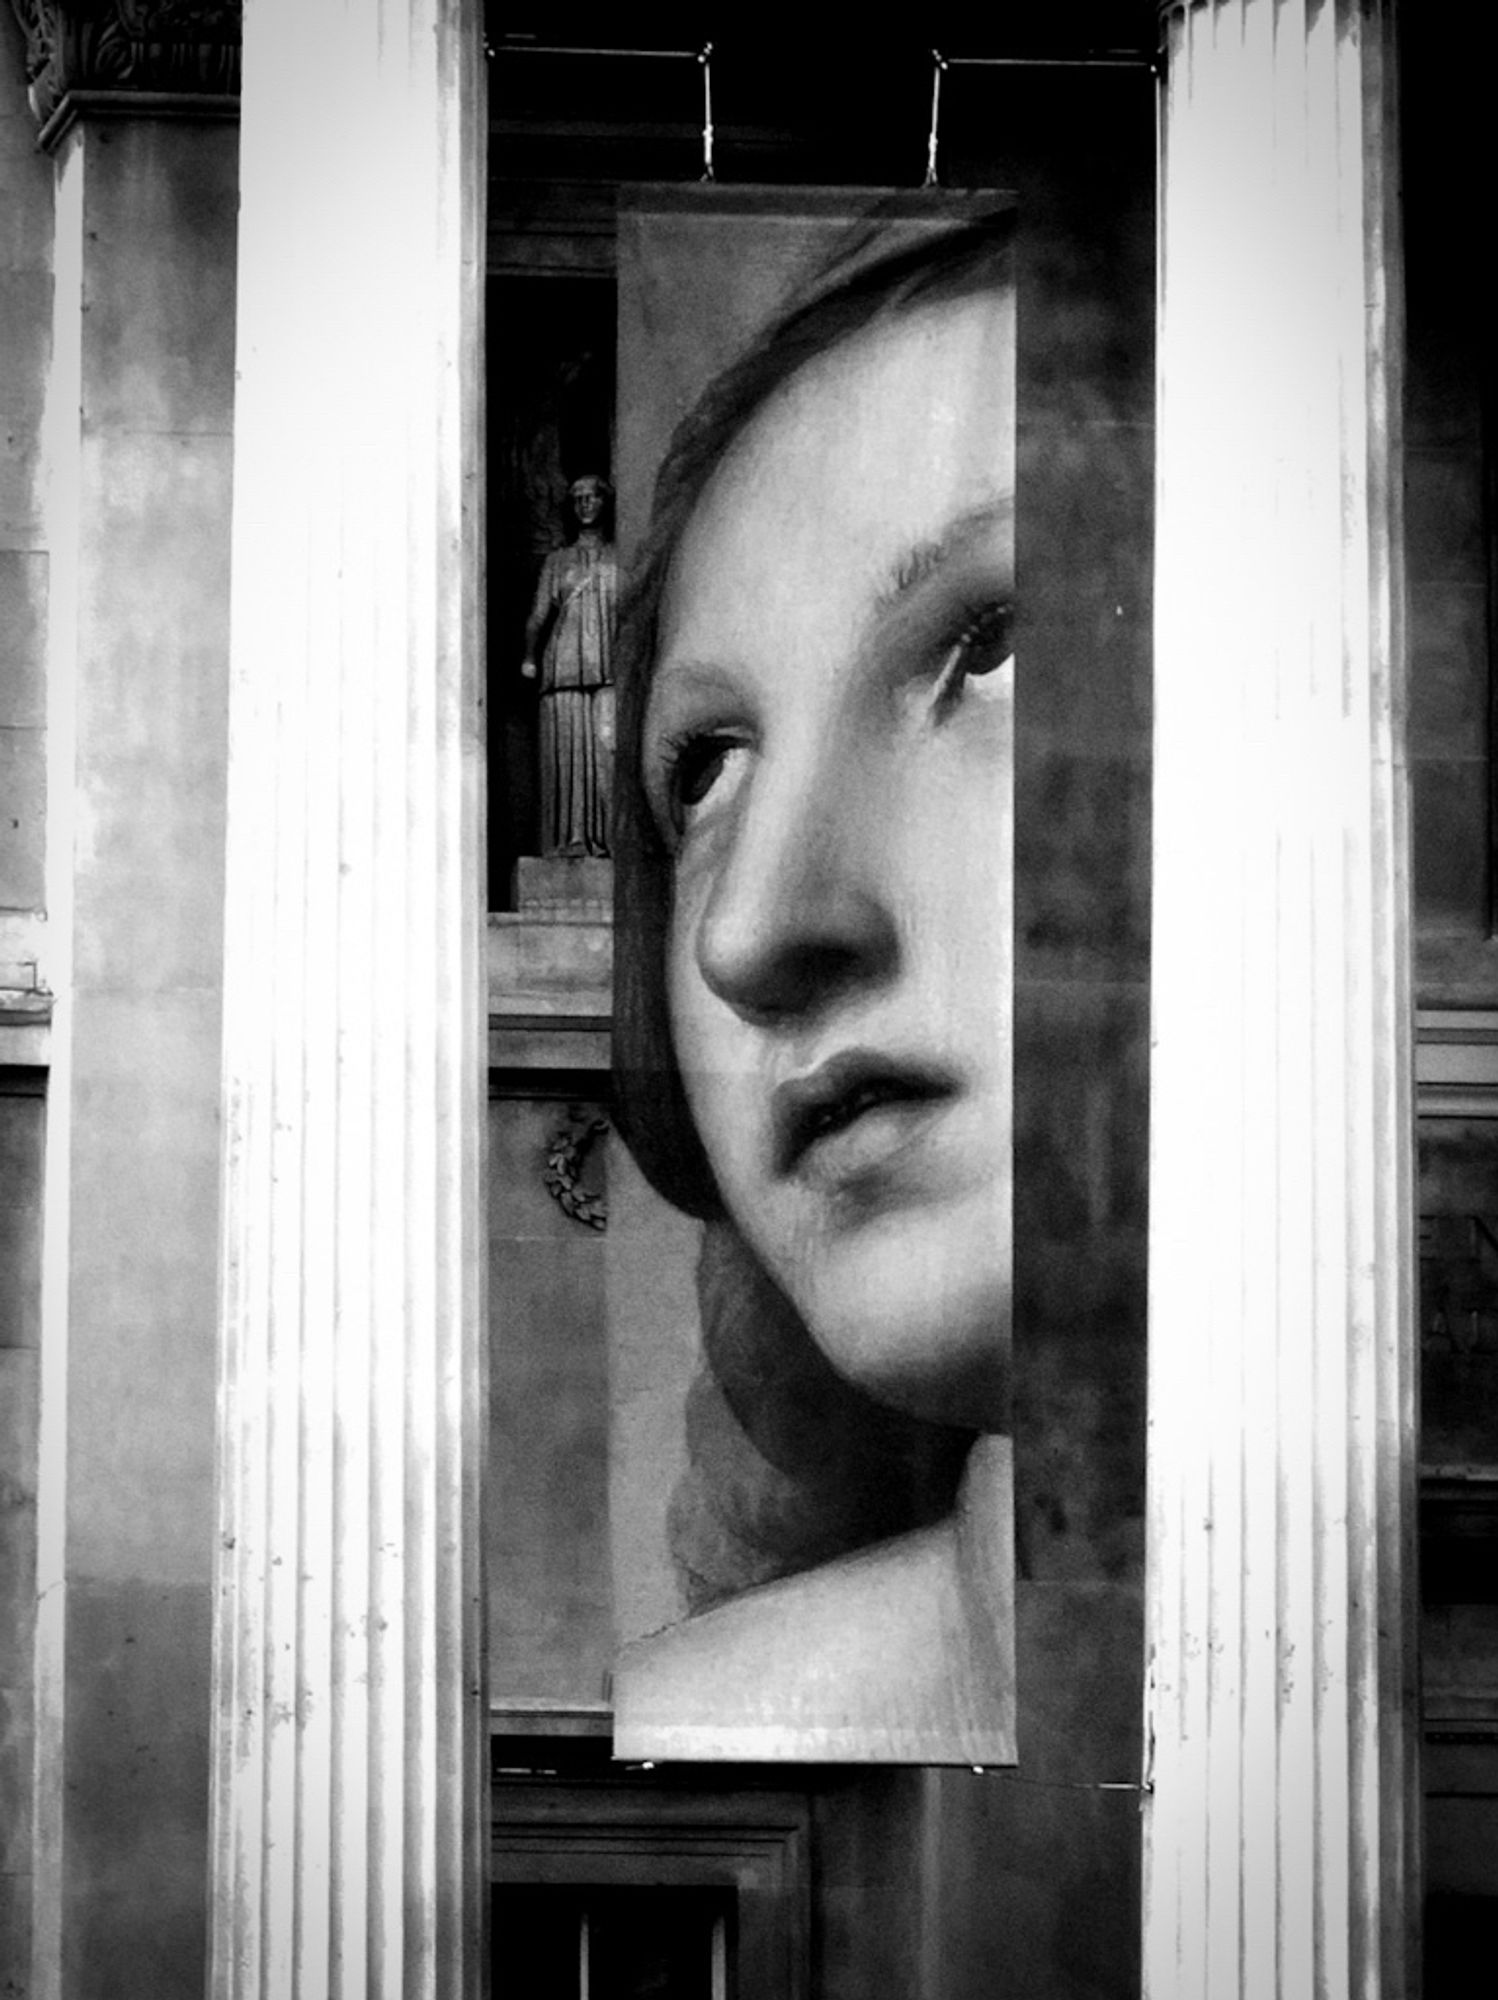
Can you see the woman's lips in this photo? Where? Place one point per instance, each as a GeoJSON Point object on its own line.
{"type": "Point", "coordinates": [852, 1112]}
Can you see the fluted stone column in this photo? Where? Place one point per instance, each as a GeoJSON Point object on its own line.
{"type": "Point", "coordinates": [1279, 1831]}
{"type": "Point", "coordinates": [349, 1743]}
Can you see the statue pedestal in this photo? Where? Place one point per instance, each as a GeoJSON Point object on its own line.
{"type": "Point", "coordinates": [550, 966]}
{"type": "Point", "coordinates": [563, 888]}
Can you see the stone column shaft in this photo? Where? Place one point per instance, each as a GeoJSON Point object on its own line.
{"type": "Point", "coordinates": [349, 1741]}
{"type": "Point", "coordinates": [138, 452]}
{"type": "Point", "coordinates": [1280, 1827]}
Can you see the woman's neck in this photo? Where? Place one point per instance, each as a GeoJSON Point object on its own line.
{"type": "Point", "coordinates": [985, 1520]}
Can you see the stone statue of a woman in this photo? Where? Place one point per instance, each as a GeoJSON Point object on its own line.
{"type": "Point", "coordinates": [573, 617]}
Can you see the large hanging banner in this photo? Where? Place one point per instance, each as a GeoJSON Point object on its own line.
{"type": "Point", "coordinates": [810, 1261]}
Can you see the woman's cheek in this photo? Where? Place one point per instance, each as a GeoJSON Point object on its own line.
{"type": "Point", "coordinates": [704, 1032]}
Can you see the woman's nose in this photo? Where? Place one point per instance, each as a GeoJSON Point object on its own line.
{"type": "Point", "coordinates": [802, 910]}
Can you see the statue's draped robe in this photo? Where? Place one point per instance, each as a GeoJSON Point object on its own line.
{"type": "Point", "coordinates": [578, 594]}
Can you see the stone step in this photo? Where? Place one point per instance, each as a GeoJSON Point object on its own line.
{"type": "Point", "coordinates": [565, 886]}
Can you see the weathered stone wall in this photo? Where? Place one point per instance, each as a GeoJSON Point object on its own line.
{"type": "Point", "coordinates": [1037, 1870]}
{"type": "Point", "coordinates": [25, 344]}
{"type": "Point", "coordinates": [21, 1129]}
{"type": "Point", "coordinates": [1450, 525]}
{"type": "Point", "coordinates": [1449, 517]}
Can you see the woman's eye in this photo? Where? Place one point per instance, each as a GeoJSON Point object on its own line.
{"type": "Point", "coordinates": [694, 768]}
{"type": "Point", "coordinates": [981, 645]}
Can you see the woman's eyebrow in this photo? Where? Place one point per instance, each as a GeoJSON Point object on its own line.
{"type": "Point", "coordinates": [913, 565]}
{"type": "Point", "coordinates": [679, 689]}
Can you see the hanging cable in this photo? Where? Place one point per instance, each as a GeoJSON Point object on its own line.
{"type": "Point", "coordinates": [515, 45]}
{"type": "Point", "coordinates": [705, 57]}
{"type": "Point", "coordinates": [1103, 59]}
{"type": "Point", "coordinates": [938, 64]}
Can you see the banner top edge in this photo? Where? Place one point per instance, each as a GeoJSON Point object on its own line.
{"type": "Point", "coordinates": [902, 204]}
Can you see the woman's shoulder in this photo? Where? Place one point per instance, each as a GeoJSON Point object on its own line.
{"type": "Point", "coordinates": [880, 1656]}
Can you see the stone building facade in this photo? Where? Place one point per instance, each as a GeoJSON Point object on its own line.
{"type": "Point", "coordinates": [301, 1656]}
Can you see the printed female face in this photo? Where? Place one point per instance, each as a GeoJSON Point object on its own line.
{"type": "Point", "coordinates": [828, 752]}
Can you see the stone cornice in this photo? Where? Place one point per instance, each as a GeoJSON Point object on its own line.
{"type": "Point", "coordinates": [123, 55]}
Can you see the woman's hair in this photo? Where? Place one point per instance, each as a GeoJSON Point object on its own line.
{"type": "Point", "coordinates": [788, 1463]}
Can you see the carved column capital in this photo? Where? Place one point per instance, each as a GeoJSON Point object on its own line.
{"type": "Point", "coordinates": [123, 55]}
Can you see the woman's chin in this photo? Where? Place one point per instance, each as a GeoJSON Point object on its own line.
{"type": "Point", "coordinates": [919, 1320]}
